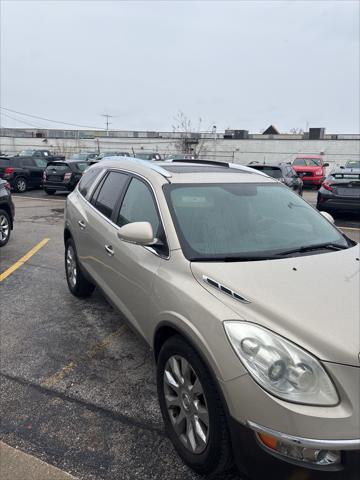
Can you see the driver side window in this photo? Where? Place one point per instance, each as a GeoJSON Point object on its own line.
{"type": "Point", "coordinates": [139, 206]}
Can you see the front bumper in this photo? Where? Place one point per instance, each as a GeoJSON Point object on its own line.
{"type": "Point", "coordinates": [335, 429]}
{"type": "Point", "coordinates": [313, 180]}
{"type": "Point", "coordinates": [256, 462]}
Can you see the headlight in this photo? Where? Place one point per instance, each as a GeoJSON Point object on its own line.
{"type": "Point", "coordinates": [279, 366]}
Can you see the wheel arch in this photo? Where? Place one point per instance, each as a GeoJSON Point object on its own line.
{"type": "Point", "coordinates": [166, 330]}
{"type": "Point", "coordinates": [7, 209]}
{"type": "Point", "coordinates": [67, 235]}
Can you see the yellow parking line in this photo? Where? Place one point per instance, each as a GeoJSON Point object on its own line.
{"type": "Point", "coordinates": [88, 355]}
{"type": "Point", "coordinates": [23, 259]}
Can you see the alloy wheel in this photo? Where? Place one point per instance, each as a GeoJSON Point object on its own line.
{"type": "Point", "coordinates": [71, 267]}
{"type": "Point", "coordinates": [21, 185]}
{"type": "Point", "coordinates": [4, 228]}
{"type": "Point", "coordinates": [186, 404]}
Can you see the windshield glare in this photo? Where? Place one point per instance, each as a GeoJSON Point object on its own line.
{"type": "Point", "coordinates": [79, 156]}
{"type": "Point", "coordinates": [244, 220]}
{"type": "Point", "coordinates": [307, 162]}
{"type": "Point", "coordinates": [26, 153]}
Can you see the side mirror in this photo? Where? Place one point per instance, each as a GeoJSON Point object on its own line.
{"type": "Point", "coordinates": [325, 165]}
{"type": "Point", "coordinates": [140, 233]}
{"type": "Point", "coordinates": [328, 217]}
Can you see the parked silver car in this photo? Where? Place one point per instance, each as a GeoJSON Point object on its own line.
{"type": "Point", "coordinates": [248, 297]}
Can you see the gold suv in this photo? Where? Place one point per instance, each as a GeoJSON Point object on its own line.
{"type": "Point", "coordinates": [249, 298]}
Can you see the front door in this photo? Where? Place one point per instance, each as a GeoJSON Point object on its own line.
{"type": "Point", "coordinates": [132, 268]}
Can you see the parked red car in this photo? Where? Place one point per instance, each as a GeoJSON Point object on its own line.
{"type": "Point", "coordinates": [311, 168]}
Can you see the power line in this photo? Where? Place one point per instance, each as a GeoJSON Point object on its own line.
{"type": "Point", "coordinates": [22, 121]}
{"type": "Point", "coordinates": [49, 120]}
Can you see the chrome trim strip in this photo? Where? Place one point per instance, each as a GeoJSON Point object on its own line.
{"type": "Point", "coordinates": [307, 442]}
{"type": "Point", "coordinates": [224, 289]}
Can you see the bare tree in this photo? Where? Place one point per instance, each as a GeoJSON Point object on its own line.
{"type": "Point", "coordinates": [296, 131]}
{"type": "Point", "coordinates": [191, 141]}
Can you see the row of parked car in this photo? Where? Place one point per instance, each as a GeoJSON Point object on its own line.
{"type": "Point", "coordinates": [338, 191]}
{"type": "Point", "coordinates": [27, 169]}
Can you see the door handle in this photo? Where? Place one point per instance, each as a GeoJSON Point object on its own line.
{"type": "Point", "coordinates": [109, 250]}
{"type": "Point", "coordinates": [82, 224]}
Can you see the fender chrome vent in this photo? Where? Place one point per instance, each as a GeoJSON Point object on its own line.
{"type": "Point", "coordinates": [226, 290]}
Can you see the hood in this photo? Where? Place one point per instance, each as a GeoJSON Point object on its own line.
{"type": "Point", "coordinates": [312, 300]}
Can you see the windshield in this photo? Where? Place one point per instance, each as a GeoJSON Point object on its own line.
{"type": "Point", "coordinates": [79, 156]}
{"type": "Point", "coordinates": [307, 162]}
{"type": "Point", "coordinates": [274, 172]}
{"type": "Point", "coordinates": [245, 220]}
{"type": "Point", "coordinates": [353, 164]}
{"type": "Point", "coordinates": [26, 153]}
{"type": "Point", "coordinates": [82, 166]}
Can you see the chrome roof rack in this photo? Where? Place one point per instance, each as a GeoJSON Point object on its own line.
{"type": "Point", "coordinates": [218, 163]}
{"type": "Point", "coordinates": [144, 163]}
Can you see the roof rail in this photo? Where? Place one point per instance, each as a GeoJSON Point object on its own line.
{"type": "Point", "coordinates": [144, 163]}
{"type": "Point", "coordinates": [221, 164]}
{"type": "Point", "coordinates": [199, 162]}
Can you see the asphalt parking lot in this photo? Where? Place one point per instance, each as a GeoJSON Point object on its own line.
{"type": "Point", "coordinates": [77, 386]}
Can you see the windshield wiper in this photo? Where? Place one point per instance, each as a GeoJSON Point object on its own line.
{"type": "Point", "coordinates": [309, 248]}
{"type": "Point", "coordinates": [230, 259]}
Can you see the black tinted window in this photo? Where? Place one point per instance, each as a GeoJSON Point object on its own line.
{"type": "Point", "coordinates": [87, 180]}
{"type": "Point", "coordinates": [109, 193]}
{"type": "Point", "coordinates": [139, 206]}
{"type": "Point", "coordinates": [27, 162]}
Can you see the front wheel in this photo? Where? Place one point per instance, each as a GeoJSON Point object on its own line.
{"type": "Point", "coordinates": [5, 227]}
{"type": "Point", "coordinates": [77, 283]}
{"type": "Point", "coordinates": [49, 192]}
{"type": "Point", "coordinates": [192, 409]}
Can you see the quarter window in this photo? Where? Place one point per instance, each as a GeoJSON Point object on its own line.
{"type": "Point", "coordinates": [109, 193]}
{"type": "Point", "coordinates": [87, 180]}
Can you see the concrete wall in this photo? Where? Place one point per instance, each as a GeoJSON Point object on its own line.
{"type": "Point", "coordinates": [336, 152]}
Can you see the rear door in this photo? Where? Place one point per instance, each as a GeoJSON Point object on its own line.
{"type": "Point", "coordinates": [98, 230]}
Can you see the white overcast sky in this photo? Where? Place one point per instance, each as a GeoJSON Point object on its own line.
{"type": "Point", "coordinates": [235, 64]}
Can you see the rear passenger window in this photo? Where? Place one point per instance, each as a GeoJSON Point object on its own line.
{"type": "Point", "coordinates": [139, 206]}
{"type": "Point", "coordinates": [87, 180]}
{"type": "Point", "coordinates": [109, 193]}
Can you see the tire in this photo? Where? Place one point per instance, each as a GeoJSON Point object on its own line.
{"type": "Point", "coordinates": [5, 227]}
{"type": "Point", "coordinates": [20, 184]}
{"type": "Point", "coordinates": [49, 192]}
{"type": "Point", "coordinates": [214, 455]}
{"type": "Point", "coordinates": [78, 285]}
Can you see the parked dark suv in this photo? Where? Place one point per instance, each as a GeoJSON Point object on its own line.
{"type": "Point", "coordinates": [283, 172]}
{"type": "Point", "coordinates": [63, 175]}
{"type": "Point", "coordinates": [22, 173]}
{"type": "Point", "coordinates": [7, 212]}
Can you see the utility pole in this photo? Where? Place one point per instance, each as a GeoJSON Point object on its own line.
{"type": "Point", "coordinates": [215, 135]}
{"type": "Point", "coordinates": [107, 116]}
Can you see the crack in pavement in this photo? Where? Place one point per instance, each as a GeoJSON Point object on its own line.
{"type": "Point", "coordinates": [124, 419]}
